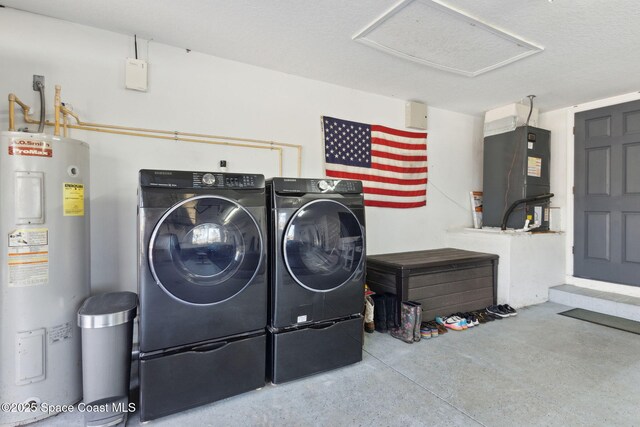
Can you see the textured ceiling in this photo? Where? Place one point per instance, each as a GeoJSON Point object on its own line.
{"type": "Point", "coordinates": [426, 32]}
{"type": "Point", "coordinates": [591, 47]}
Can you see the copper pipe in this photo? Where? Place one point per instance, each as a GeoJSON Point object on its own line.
{"type": "Point", "coordinates": [65, 122]}
{"type": "Point", "coordinates": [65, 110]}
{"type": "Point", "coordinates": [13, 100]}
{"type": "Point", "coordinates": [22, 105]}
{"type": "Point", "coordinates": [188, 134]}
{"type": "Point", "coordinates": [176, 136]}
{"type": "Point", "coordinates": [171, 138]}
{"type": "Point", "coordinates": [12, 112]}
{"type": "Point", "coordinates": [199, 141]}
{"type": "Point", "coordinates": [56, 109]}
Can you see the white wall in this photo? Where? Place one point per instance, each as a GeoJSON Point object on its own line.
{"type": "Point", "coordinates": [193, 92]}
{"type": "Point", "coordinates": [561, 122]}
{"type": "Point", "coordinates": [454, 150]}
{"type": "Point", "coordinates": [529, 264]}
{"type": "Point", "coordinates": [555, 121]}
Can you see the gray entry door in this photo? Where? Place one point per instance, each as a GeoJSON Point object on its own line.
{"type": "Point", "coordinates": [607, 194]}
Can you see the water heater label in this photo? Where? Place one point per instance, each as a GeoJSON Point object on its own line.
{"type": "Point", "coordinates": [60, 332]}
{"type": "Point", "coordinates": [534, 166]}
{"type": "Point", "coordinates": [28, 257]}
{"type": "Point", "coordinates": [30, 147]}
{"type": "Point", "coordinates": [73, 199]}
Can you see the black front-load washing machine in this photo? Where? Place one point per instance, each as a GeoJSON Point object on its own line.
{"type": "Point", "coordinates": [202, 283]}
{"type": "Point", "coordinates": [317, 265]}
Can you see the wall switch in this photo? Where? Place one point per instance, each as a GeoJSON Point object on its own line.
{"type": "Point", "coordinates": [136, 74]}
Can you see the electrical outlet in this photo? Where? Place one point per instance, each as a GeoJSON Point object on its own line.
{"type": "Point", "coordinates": [37, 80]}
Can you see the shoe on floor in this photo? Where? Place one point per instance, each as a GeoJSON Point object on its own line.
{"type": "Point", "coordinates": [471, 319]}
{"type": "Point", "coordinates": [441, 329]}
{"type": "Point", "coordinates": [426, 331]}
{"type": "Point", "coordinates": [506, 307]}
{"type": "Point", "coordinates": [474, 319]}
{"type": "Point", "coordinates": [462, 322]}
{"type": "Point", "coordinates": [451, 322]}
{"type": "Point", "coordinates": [379, 313]}
{"type": "Point", "coordinates": [433, 328]}
{"type": "Point", "coordinates": [478, 316]}
{"type": "Point", "coordinates": [483, 317]}
{"type": "Point", "coordinates": [406, 330]}
{"type": "Point", "coordinates": [463, 316]}
{"type": "Point", "coordinates": [453, 319]}
{"type": "Point", "coordinates": [369, 325]}
{"type": "Point", "coordinates": [492, 316]}
{"type": "Point", "coordinates": [497, 311]}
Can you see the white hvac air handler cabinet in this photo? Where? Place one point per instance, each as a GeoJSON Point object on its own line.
{"type": "Point", "coordinates": [44, 258]}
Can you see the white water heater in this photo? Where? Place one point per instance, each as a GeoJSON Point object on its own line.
{"type": "Point", "coordinates": [45, 275]}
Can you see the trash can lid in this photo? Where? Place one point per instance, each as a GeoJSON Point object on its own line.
{"type": "Point", "coordinates": [111, 309]}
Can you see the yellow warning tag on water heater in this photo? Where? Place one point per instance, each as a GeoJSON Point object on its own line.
{"type": "Point", "coordinates": [73, 199]}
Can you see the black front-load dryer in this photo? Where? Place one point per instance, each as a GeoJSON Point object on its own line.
{"type": "Point", "coordinates": [318, 250]}
{"type": "Point", "coordinates": [317, 265]}
{"type": "Point", "coordinates": [202, 283]}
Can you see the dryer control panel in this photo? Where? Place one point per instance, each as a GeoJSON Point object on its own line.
{"type": "Point", "coordinates": [184, 179]}
{"type": "Point", "coordinates": [320, 185]}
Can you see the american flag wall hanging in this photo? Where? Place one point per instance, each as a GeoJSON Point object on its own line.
{"type": "Point", "coordinates": [391, 163]}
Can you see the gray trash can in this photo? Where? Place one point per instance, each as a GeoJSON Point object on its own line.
{"type": "Point", "coordinates": [107, 334]}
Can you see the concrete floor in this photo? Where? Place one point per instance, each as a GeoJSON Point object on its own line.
{"type": "Point", "coordinates": [534, 369]}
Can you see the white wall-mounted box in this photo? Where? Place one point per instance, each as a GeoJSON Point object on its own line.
{"type": "Point", "coordinates": [507, 118]}
{"type": "Point", "coordinates": [136, 74]}
{"type": "Point", "coordinates": [415, 115]}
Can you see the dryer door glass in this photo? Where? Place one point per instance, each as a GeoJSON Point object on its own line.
{"type": "Point", "coordinates": [323, 245]}
{"type": "Point", "coordinates": [205, 250]}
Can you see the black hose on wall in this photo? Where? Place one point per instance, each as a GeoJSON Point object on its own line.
{"type": "Point", "coordinates": [40, 88]}
{"type": "Point", "coordinates": [515, 204]}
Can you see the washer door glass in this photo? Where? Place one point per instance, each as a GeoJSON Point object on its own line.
{"type": "Point", "coordinates": [323, 245]}
{"type": "Point", "coordinates": [205, 250]}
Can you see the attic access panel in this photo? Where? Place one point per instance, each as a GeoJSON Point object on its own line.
{"type": "Point", "coordinates": [431, 33]}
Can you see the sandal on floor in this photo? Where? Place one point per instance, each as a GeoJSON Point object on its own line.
{"type": "Point", "coordinates": [482, 317]}
{"type": "Point", "coordinates": [441, 329]}
{"type": "Point", "coordinates": [432, 327]}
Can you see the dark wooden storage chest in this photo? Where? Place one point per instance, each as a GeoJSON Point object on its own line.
{"type": "Point", "coordinates": [444, 280]}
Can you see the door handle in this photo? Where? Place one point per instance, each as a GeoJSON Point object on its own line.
{"type": "Point", "coordinates": [204, 348]}
{"type": "Point", "coordinates": [322, 325]}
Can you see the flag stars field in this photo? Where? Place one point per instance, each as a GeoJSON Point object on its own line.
{"type": "Point", "coordinates": [391, 163]}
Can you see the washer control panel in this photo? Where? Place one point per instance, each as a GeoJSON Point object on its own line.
{"type": "Point", "coordinates": [324, 185]}
{"type": "Point", "coordinates": [321, 185]}
{"type": "Point", "coordinates": [183, 179]}
{"type": "Point", "coordinates": [208, 179]}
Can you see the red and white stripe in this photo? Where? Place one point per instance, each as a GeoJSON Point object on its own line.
{"type": "Point", "coordinates": [397, 177]}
